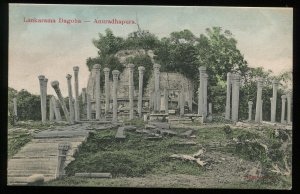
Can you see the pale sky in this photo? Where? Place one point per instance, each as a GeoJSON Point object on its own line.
{"type": "Point", "coordinates": [264, 36]}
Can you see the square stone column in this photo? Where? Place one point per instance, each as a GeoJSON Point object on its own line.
{"type": "Point", "coordinates": [71, 106]}
{"type": "Point", "coordinates": [51, 110]}
{"type": "Point", "coordinates": [76, 86]}
{"type": "Point", "coordinates": [55, 85]}
{"type": "Point", "coordinates": [261, 110]}
{"type": "Point", "coordinates": [107, 94]}
{"type": "Point", "coordinates": [289, 106]}
{"type": "Point", "coordinates": [156, 68]}
{"type": "Point", "coordinates": [115, 95]}
{"type": "Point", "coordinates": [274, 99]}
{"type": "Point", "coordinates": [210, 108]}
{"type": "Point", "coordinates": [15, 107]}
{"type": "Point", "coordinates": [228, 92]}
{"type": "Point", "coordinates": [96, 68]}
{"type": "Point", "coordinates": [131, 90]}
{"type": "Point", "coordinates": [182, 102]}
{"type": "Point", "coordinates": [258, 100]}
{"type": "Point", "coordinates": [42, 96]}
{"type": "Point", "coordinates": [140, 99]}
{"type": "Point", "coordinates": [88, 107]}
{"type": "Point", "coordinates": [204, 93]}
{"type": "Point", "coordinates": [283, 101]}
{"type": "Point", "coordinates": [235, 96]}
{"type": "Point", "coordinates": [250, 104]}
{"type": "Point", "coordinates": [166, 98]}
{"type": "Point", "coordinates": [202, 70]}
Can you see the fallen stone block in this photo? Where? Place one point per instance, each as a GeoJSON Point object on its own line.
{"type": "Point", "coordinates": [187, 133]}
{"type": "Point", "coordinates": [35, 179]}
{"type": "Point", "coordinates": [94, 175]}
{"type": "Point", "coordinates": [160, 125]}
{"type": "Point", "coordinates": [129, 128]}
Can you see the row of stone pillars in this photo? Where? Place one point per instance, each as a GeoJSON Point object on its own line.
{"type": "Point", "coordinates": [74, 113]}
{"type": "Point", "coordinates": [259, 104]}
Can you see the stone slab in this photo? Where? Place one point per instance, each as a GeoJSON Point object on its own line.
{"type": "Point", "coordinates": [120, 133]}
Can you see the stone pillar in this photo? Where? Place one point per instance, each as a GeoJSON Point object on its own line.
{"type": "Point", "coordinates": [258, 100]}
{"type": "Point", "coordinates": [115, 97]}
{"type": "Point", "coordinates": [283, 101]}
{"type": "Point", "coordinates": [261, 110]}
{"type": "Point", "coordinates": [51, 110]}
{"type": "Point", "coordinates": [166, 98]}
{"type": "Point", "coordinates": [289, 107]}
{"type": "Point", "coordinates": [131, 90]}
{"type": "Point", "coordinates": [250, 103]}
{"type": "Point", "coordinates": [62, 155]}
{"type": "Point", "coordinates": [235, 96]}
{"type": "Point", "coordinates": [106, 77]}
{"type": "Point", "coordinates": [228, 91]}
{"type": "Point", "coordinates": [76, 86]}
{"type": "Point", "coordinates": [83, 95]}
{"type": "Point", "coordinates": [156, 68]}
{"type": "Point", "coordinates": [274, 99]}
{"type": "Point", "coordinates": [43, 106]}
{"type": "Point", "coordinates": [88, 107]}
{"type": "Point", "coordinates": [151, 101]}
{"type": "Point", "coordinates": [96, 68]}
{"type": "Point", "coordinates": [15, 107]}
{"type": "Point", "coordinates": [55, 85]}
{"type": "Point", "coordinates": [181, 101]}
{"type": "Point", "coordinates": [140, 99]}
{"type": "Point", "coordinates": [202, 70]}
{"type": "Point", "coordinates": [271, 102]}
{"type": "Point", "coordinates": [204, 93]}
{"type": "Point", "coordinates": [210, 108]}
{"type": "Point", "coordinates": [56, 109]}
{"type": "Point", "coordinates": [71, 106]}
{"type": "Point", "coordinates": [45, 96]}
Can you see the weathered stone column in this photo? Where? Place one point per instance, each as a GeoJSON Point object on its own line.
{"type": "Point", "coordinates": [140, 99]}
{"type": "Point", "coordinates": [96, 67]}
{"type": "Point", "coordinates": [106, 77]}
{"type": "Point", "coordinates": [204, 93]}
{"type": "Point", "coordinates": [258, 100]}
{"type": "Point", "coordinates": [56, 109]}
{"type": "Point", "coordinates": [228, 91]}
{"type": "Point", "coordinates": [274, 99]}
{"type": "Point", "coordinates": [55, 85]}
{"type": "Point", "coordinates": [77, 109]}
{"type": "Point", "coordinates": [62, 155]}
{"type": "Point", "coordinates": [83, 95]}
{"type": "Point", "coordinates": [15, 107]}
{"type": "Point", "coordinates": [210, 108]}
{"type": "Point", "coordinates": [45, 96]}
{"type": "Point", "coordinates": [271, 109]}
{"type": "Point", "coordinates": [166, 98]}
{"type": "Point", "coordinates": [151, 100]}
{"type": "Point", "coordinates": [202, 70]}
{"type": "Point", "coordinates": [289, 106]}
{"type": "Point", "coordinates": [283, 101]}
{"type": "Point", "coordinates": [156, 68]}
{"type": "Point", "coordinates": [71, 106]}
{"type": "Point", "coordinates": [235, 96]}
{"type": "Point", "coordinates": [88, 107]}
{"type": "Point", "coordinates": [261, 110]}
{"type": "Point", "coordinates": [43, 106]}
{"type": "Point", "coordinates": [250, 103]}
{"type": "Point", "coordinates": [181, 101]}
{"type": "Point", "coordinates": [131, 90]}
{"type": "Point", "coordinates": [115, 95]}
{"type": "Point", "coordinates": [51, 110]}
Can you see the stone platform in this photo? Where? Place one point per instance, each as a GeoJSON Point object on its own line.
{"type": "Point", "coordinates": [40, 156]}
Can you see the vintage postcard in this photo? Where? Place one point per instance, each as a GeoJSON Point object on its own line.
{"type": "Point", "coordinates": [150, 96]}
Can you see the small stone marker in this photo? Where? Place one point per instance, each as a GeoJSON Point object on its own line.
{"type": "Point", "coordinates": [120, 133]}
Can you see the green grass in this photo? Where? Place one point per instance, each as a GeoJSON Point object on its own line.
{"type": "Point", "coordinates": [16, 140]}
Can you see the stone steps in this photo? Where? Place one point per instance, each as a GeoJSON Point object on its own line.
{"type": "Point", "coordinates": [40, 156]}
